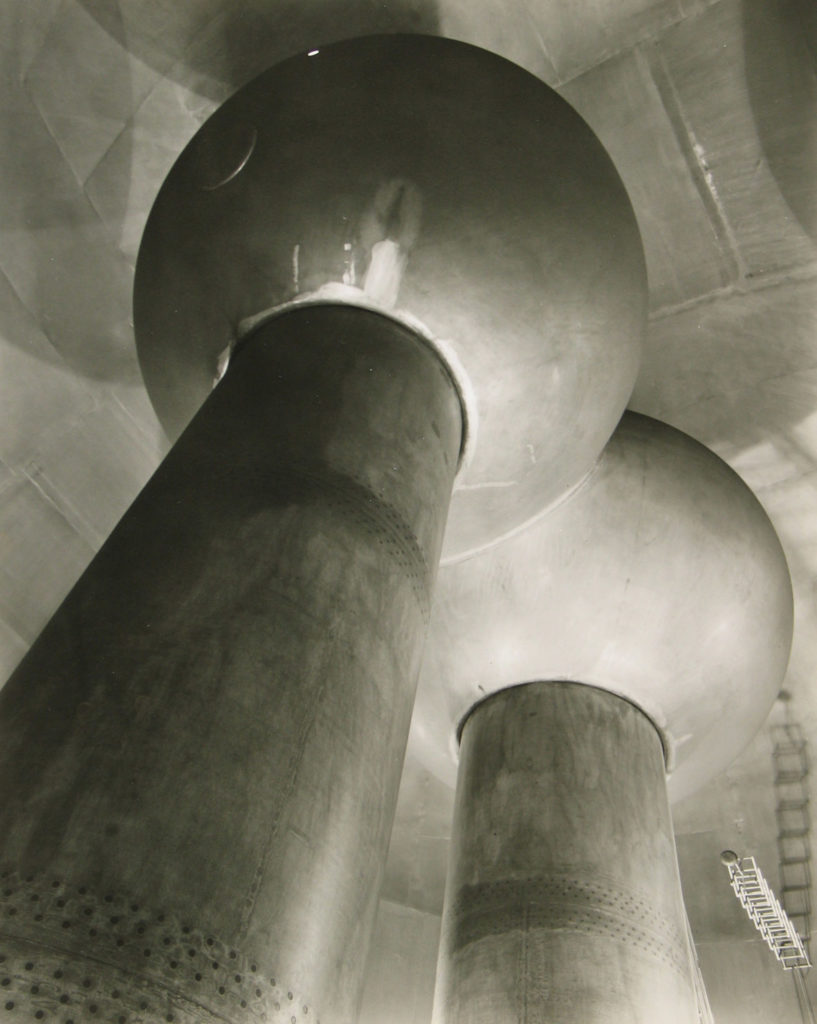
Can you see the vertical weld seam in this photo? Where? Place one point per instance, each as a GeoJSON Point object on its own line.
{"type": "Point", "coordinates": [292, 774]}
{"type": "Point", "coordinates": [525, 965]}
{"type": "Point", "coordinates": [695, 159]}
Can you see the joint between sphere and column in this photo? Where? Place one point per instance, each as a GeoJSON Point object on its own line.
{"type": "Point", "coordinates": [347, 296]}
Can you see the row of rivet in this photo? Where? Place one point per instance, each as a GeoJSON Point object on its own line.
{"type": "Point", "coordinates": [559, 903]}
{"type": "Point", "coordinates": [152, 945]}
{"type": "Point", "coordinates": [374, 514]}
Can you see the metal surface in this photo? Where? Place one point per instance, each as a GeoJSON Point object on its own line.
{"type": "Point", "coordinates": [211, 729]}
{"type": "Point", "coordinates": [433, 179]}
{"type": "Point", "coordinates": [563, 901]}
{"type": "Point", "coordinates": [185, 974]}
{"type": "Point", "coordinates": [660, 579]}
{"type": "Point", "coordinates": [707, 109]}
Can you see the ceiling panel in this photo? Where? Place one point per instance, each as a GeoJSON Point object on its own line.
{"type": "Point", "coordinates": [68, 270]}
{"type": "Point", "coordinates": [745, 86]}
{"type": "Point", "coordinates": [585, 33]}
{"type": "Point", "coordinates": [686, 257]}
{"type": "Point", "coordinates": [706, 369]}
{"type": "Point", "coordinates": [23, 28]}
{"type": "Point", "coordinates": [93, 469]}
{"type": "Point", "coordinates": [508, 29]}
{"type": "Point", "coordinates": [85, 85]}
{"type": "Point", "coordinates": [38, 392]}
{"type": "Point", "coordinates": [41, 557]}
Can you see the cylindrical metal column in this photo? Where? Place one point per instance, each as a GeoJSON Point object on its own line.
{"type": "Point", "coordinates": [563, 902]}
{"type": "Point", "coordinates": [199, 757]}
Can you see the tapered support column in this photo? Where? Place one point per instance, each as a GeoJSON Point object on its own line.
{"type": "Point", "coordinates": [563, 902]}
{"type": "Point", "coordinates": [199, 758]}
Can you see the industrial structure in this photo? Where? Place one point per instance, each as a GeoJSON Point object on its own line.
{"type": "Point", "coordinates": [390, 308]}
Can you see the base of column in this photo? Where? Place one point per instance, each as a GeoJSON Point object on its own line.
{"type": "Point", "coordinates": [563, 901]}
{"type": "Point", "coordinates": [68, 955]}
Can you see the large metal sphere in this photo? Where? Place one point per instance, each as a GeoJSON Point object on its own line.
{"type": "Point", "coordinates": [661, 579]}
{"type": "Point", "coordinates": [439, 183]}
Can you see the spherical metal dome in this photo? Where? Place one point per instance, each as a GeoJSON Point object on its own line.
{"type": "Point", "coordinates": [439, 183]}
{"type": "Point", "coordinates": [660, 579]}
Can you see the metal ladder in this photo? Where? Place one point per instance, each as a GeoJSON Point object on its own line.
{"type": "Point", "coordinates": [766, 913]}
{"type": "Point", "coordinates": [791, 769]}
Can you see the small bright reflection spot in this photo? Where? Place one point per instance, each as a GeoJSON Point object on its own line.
{"type": "Point", "coordinates": [312, 53]}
